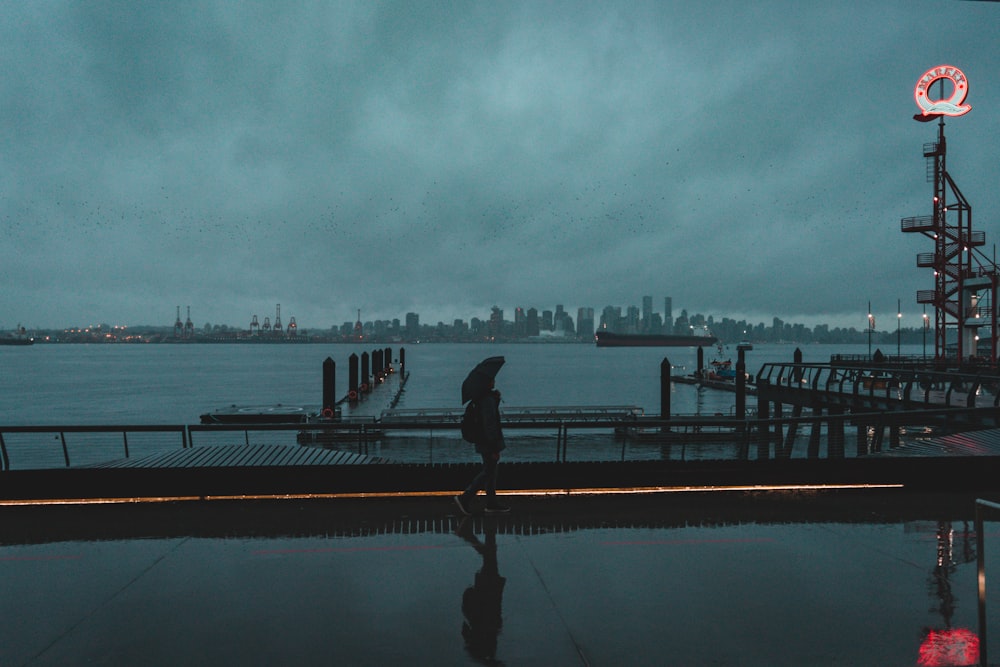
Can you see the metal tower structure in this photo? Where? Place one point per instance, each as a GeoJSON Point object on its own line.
{"type": "Point", "coordinates": [188, 325]}
{"type": "Point", "coordinates": [178, 325]}
{"type": "Point", "coordinates": [277, 320]}
{"type": "Point", "coordinates": [965, 282]}
{"type": "Point", "coordinates": [254, 326]}
{"type": "Point", "coordinates": [293, 328]}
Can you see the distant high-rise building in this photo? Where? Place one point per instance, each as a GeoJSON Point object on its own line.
{"type": "Point", "coordinates": [532, 322]}
{"type": "Point", "coordinates": [668, 314]}
{"type": "Point", "coordinates": [611, 318]}
{"type": "Point", "coordinates": [546, 320]}
{"type": "Point", "coordinates": [520, 323]}
{"type": "Point", "coordinates": [561, 320]}
{"type": "Point", "coordinates": [647, 314]}
{"type": "Point", "coordinates": [496, 322]}
{"type": "Point", "coordinates": [412, 325]}
{"type": "Point", "coordinates": [585, 322]}
{"type": "Point", "coordinates": [632, 320]}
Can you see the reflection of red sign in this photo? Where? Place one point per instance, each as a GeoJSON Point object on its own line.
{"type": "Point", "coordinates": [952, 106]}
{"type": "Point", "coordinates": [957, 647]}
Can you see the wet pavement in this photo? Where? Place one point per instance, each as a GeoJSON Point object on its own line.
{"type": "Point", "coordinates": [686, 579]}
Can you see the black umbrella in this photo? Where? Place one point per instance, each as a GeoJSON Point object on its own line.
{"type": "Point", "coordinates": [480, 379]}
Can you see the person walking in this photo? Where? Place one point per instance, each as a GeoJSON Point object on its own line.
{"type": "Point", "coordinates": [488, 445]}
{"type": "Point", "coordinates": [480, 388]}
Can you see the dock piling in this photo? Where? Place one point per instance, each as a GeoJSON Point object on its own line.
{"type": "Point", "coordinates": [352, 377]}
{"type": "Point", "coordinates": [665, 388]}
{"type": "Point", "coordinates": [741, 383]}
{"type": "Point", "coordinates": [329, 386]}
{"type": "Point", "coordinates": [365, 375]}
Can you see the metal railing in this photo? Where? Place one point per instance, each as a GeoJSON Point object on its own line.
{"type": "Point", "coordinates": [359, 435]}
{"type": "Point", "coordinates": [912, 385]}
{"type": "Point", "coordinates": [62, 430]}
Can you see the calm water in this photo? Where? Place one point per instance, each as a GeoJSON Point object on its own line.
{"type": "Point", "coordinates": [161, 384]}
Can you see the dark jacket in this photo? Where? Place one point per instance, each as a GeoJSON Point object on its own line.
{"type": "Point", "coordinates": [489, 411]}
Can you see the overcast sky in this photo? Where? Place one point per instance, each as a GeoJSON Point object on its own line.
{"type": "Point", "coordinates": [748, 159]}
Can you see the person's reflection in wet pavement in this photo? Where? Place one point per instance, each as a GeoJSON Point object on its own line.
{"type": "Point", "coordinates": [482, 602]}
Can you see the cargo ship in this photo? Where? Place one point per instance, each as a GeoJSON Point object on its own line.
{"type": "Point", "coordinates": [611, 339]}
{"type": "Point", "coordinates": [20, 337]}
{"type": "Point", "coordinates": [17, 341]}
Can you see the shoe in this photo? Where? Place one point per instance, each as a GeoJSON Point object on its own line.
{"type": "Point", "coordinates": [497, 508]}
{"type": "Point", "coordinates": [461, 506]}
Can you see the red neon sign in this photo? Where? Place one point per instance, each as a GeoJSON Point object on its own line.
{"type": "Point", "coordinates": [952, 106]}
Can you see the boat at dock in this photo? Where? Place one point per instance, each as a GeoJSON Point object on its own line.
{"type": "Point", "coordinates": [721, 371]}
{"type": "Point", "coordinates": [260, 414]}
{"type": "Point", "coordinates": [612, 339]}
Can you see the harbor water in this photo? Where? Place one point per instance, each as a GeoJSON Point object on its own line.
{"type": "Point", "coordinates": [174, 384]}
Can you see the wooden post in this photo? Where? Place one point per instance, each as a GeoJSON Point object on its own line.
{"type": "Point", "coordinates": [352, 377]}
{"type": "Point", "coordinates": [665, 388]}
{"type": "Point", "coordinates": [814, 434]}
{"type": "Point", "coordinates": [329, 384]}
{"type": "Point", "coordinates": [791, 433]}
{"type": "Point", "coordinates": [764, 428]}
{"type": "Point", "coordinates": [365, 374]}
{"type": "Point", "coordinates": [741, 383]}
{"type": "Point", "coordinates": [835, 433]}
{"type": "Point", "coordinates": [863, 438]}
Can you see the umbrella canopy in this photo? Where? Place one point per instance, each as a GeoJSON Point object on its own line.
{"type": "Point", "coordinates": [480, 379]}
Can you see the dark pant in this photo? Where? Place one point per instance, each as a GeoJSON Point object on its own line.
{"type": "Point", "coordinates": [486, 479]}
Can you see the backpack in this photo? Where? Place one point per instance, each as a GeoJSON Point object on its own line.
{"type": "Point", "coordinates": [472, 423]}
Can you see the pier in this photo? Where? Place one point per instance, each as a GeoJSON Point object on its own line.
{"type": "Point", "coordinates": [796, 433]}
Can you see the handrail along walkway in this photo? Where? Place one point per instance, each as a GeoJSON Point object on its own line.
{"type": "Point", "coordinates": [363, 431]}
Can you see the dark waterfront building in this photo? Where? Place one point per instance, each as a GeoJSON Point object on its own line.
{"type": "Point", "coordinates": [585, 323]}
{"type": "Point", "coordinates": [520, 323]}
{"type": "Point", "coordinates": [532, 322]}
{"type": "Point", "coordinates": [412, 325]}
{"type": "Point", "coordinates": [546, 320]}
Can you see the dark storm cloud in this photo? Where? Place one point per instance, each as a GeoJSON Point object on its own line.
{"type": "Point", "coordinates": [744, 158]}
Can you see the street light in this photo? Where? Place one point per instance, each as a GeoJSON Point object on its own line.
{"type": "Point", "coordinates": [871, 326]}
{"type": "Point", "coordinates": [899, 318]}
{"type": "Point", "coordinates": [927, 324]}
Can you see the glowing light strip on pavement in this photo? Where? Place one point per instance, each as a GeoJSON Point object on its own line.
{"type": "Point", "coordinates": [599, 491]}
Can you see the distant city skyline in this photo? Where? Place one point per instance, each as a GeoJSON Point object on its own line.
{"type": "Point", "coordinates": [527, 321]}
